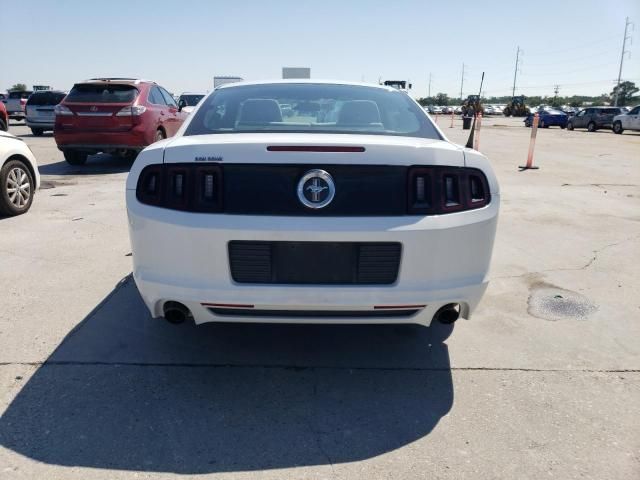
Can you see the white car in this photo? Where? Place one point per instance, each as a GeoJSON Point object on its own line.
{"type": "Point", "coordinates": [19, 177]}
{"type": "Point", "coordinates": [188, 101]}
{"type": "Point", "coordinates": [249, 216]}
{"type": "Point", "coordinates": [627, 121]}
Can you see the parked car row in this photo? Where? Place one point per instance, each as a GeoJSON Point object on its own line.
{"type": "Point", "coordinates": [617, 119]}
{"type": "Point", "coordinates": [457, 110]}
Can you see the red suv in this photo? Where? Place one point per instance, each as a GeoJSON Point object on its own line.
{"type": "Point", "coordinates": [114, 115]}
{"type": "Point", "coordinates": [4, 118]}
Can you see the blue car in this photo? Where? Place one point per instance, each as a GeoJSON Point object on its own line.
{"type": "Point", "coordinates": [549, 117]}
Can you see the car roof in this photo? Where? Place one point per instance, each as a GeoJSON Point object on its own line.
{"type": "Point", "coordinates": [293, 81]}
{"type": "Point", "coordinates": [193, 93]}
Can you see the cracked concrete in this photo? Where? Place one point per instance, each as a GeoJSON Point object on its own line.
{"type": "Point", "coordinates": [91, 387]}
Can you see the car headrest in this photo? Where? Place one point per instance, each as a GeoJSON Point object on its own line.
{"type": "Point", "coordinates": [260, 110]}
{"type": "Point", "coordinates": [359, 112]}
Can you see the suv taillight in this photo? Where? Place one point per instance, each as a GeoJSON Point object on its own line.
{"type": "Point", "coordinates": [181, 186]}
{"type": "Point", "coordinates": [438, 190]}
{"type": "Point", "coordinates": [62, 110]}
{"type": "Point", "coordinates": [132, 111]}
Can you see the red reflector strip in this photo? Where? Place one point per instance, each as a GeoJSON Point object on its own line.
{"type": "Point", "coordinates": [397, 307]}
{"type": "Point", "coordinates": [227, 305]}
{"type": "Point", "coordinates": [313, 148]}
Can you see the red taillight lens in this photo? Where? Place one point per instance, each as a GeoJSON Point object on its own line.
{"type": "Point", "coordinates": [438, 190]}
{"type": "Point", "coordinates": [181, 186]}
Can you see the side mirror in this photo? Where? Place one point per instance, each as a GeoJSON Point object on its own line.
{"type": "Point", "coordinates": [181, 105]}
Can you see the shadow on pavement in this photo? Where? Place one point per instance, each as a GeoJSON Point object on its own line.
{"type": "Point", "coordinates": [96, 164]}
{"type": "Point", "coordinates": [125, 391]}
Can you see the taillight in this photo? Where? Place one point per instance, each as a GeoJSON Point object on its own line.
{"type": "Point", "coordinates": [62, 110]}
{"type": "Point", "coordinates": [131, 111]}
{"type": "Point", "coordinates": [438, 190]}
{"type": "Point", "coordinates": [181, 186]}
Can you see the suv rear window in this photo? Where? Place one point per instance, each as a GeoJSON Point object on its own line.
{"type": "Point", "coordinates": [15, 95]}
{"type": "Point", "coordinates": [102, 93]}
{"type": "Point", "coordinates": [611, 111]}
{"type": "Point", "coordinates": [45, 98]}
{"type": "Point", "coordinates": [311, 108]}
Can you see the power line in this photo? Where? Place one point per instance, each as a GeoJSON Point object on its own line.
{"type": "Point", "coordinates": [582, 45]}
{"type": "Point", "coordinates": [568, 72]}
{"type": "Point", "coordinates": [591, 56]}
{"type": "Point", "coordinates": [559, 85]}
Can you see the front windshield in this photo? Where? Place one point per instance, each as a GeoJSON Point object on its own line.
{"type": "Point", "coordinates": [311, 108]}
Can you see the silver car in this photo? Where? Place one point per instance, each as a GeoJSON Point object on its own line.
{"type": "Point", "coordinates": [39, 110]}
{"type": "Point", "coordinates": [15, 102]}
{"type": "Point", "coordinates": [627, 121]}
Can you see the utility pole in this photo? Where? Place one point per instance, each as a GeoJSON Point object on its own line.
{"type": "Point", "coordinates": [624, 45]}
{"type": "Point", "coordinates": [429, 94]}
{"type": "Point", "coordinates": [462, 81]}
{"type": "Point", "coordinates": [515, 73]}
{"type": "Point", "coordinates": [556, 89]}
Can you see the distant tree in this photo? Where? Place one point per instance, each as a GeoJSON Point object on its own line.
{"type": "Point", "coordinates": [21, 87]}
{"type": "Point", "coordinates": [625, 90]}
{"type": "Point", "coordinates": [442, 99]}
{"type": "Point", "coordinates": [427, 101]}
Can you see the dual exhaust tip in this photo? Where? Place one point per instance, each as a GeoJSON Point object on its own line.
{"type": "Point", "coordinates": [176, 312]}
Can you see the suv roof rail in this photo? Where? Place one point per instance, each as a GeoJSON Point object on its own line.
{"type": "Point", "coordinates": [119, 79]}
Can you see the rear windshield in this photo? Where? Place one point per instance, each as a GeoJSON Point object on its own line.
{"type": "Point", "coordinates": [190, 100]}
{"type": "Point", "coordinates": [19, 94]}
{"type": "Point", "coordinates": [45, 98]}
{"type": "Point", "coordinates": [102, 93]}
{"type": "Point", "coordinates": [311, 108]}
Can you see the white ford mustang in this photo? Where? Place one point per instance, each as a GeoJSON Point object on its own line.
{"type": "Point", "coordinates": [351, 208]}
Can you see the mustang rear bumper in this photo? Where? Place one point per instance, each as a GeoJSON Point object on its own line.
{"type": "Point", "coordinates": [183, 257]}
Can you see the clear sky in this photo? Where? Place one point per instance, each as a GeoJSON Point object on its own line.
{"type": "Point", "coordinates": [183, 44]}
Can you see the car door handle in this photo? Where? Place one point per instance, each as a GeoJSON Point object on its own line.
{"type": "Point", "coordinates": [161, 112]}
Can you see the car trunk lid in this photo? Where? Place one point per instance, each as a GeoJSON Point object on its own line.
{"type": "Point", "coordinates": [313, 149]}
